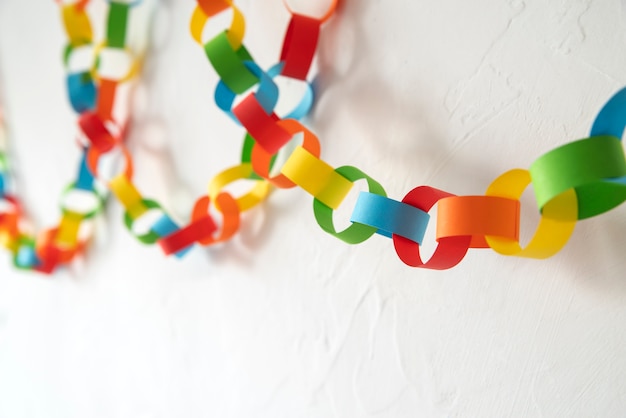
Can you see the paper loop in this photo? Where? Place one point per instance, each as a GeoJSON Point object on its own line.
{"type": "Point", "coordinates": [231, 217]}
{"type": "Point", "coordinates": [390, 217]}
{"type": "Point", "coordinates": [200, 228]}
{"type": "Point", "coordinates": [128, 196]}
{"type": "Point", "coordinates": [209, 8]}
{"type": "Point", "coordinates": [229, 63]}
{"type": "Point", "coordinates": [593, 167]}
{"type": "Point", "coordinates": [93, 158]}
{"type": "Point", "coordinates": [264, 128]}
{"type": "Point", "coordinates": [130, 218]}
{"type": "Point", "coordinates": [316, 177]}
{"type": "Point", "coordinates": [266, 95]}
{"type": "Point", "coordinates": [81, 91]}
{"type": "Point", "coordinates": [299, 46]}
{"type": "Point", "coordinates": [77, 25]}
{"type": "Point", "coordinates": [117, 23]}
{"type": "Point", "coordinates": [94, 202]}
{"type": "Point", "coordinates": [256, 195]}
{"type": "Point", "coordinates": [556, 226]}
{"type": "Point", "coordinates": [477, 216]}
{"type": "Point", "coordinates": [101, 50]}
{"type": "Point", "coordinates": [357, 232]}
{"type": "Point", "coordinates": [611, 119]}
{"type": "Point", "coordinates": [97, 131]}
{"type": "Point", "coordinates": [449, 251]}
{"type": "Point", "coordinates": [262, 160]}
{"type": "Point", "coordinates": [305, 104]}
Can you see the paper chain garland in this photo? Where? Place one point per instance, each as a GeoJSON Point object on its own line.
{"type": "Point", "coordinates": [576, 181]}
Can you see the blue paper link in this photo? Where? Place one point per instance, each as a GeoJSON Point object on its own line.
{"type": "Point", "coordinates": [2, 183]}
{"type": "Point", "coordinates": [611, 119]}
{"type": "Point", "coordinates": [164, 227]}
{"type": "Point", "coordinates": [85, 178]}
{"type": "Point", "coordinates": [26, 257]}
{"type": "Point", "coordinates": [390, 216]}
{"type": "Point", "coordinates": [266, 95]}
{"type": "Point", "coordinates": [82, 91]}
{"type": "Point", "coordinates": [306, 103]}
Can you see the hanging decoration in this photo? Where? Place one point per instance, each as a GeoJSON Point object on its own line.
{"type": "Point", "coordinates": [578, 180]}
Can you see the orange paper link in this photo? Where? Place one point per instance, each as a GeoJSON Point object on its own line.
{"type": "Point", "coordinates": [477, 216]}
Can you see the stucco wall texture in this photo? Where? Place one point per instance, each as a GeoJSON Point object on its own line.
{"type": "Point", "coordinates": [285, 320]}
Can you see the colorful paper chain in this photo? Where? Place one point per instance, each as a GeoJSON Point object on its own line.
{"type": "Point", "coordinates": [89, 87]}
{"type": "Point", "coordinates": [576, 181]}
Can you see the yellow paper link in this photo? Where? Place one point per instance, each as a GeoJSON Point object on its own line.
{"type": "Point", "coordinates": [128, 195]}
{"type": "Point", "coordinates": [132, 71]}
{"type": "Point", "coordinates": [67, 234]}
{"type": "Point", "coordinates": [9, 241]}
{"type": "Point", "coordinates": [77, 25]}
{"type": "Point", "coordinates": [240, 172]}
{"type": "Point", "coordinates": [316, 177]}
{"type": "Point", "coordinates": [234, 34]}
{"type": "Point", "coordinates": [557, 223]}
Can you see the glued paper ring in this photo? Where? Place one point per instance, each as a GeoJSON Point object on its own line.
{"type": "Point", "coordinates": [390, 217]}
{"type": "Point", "coordinates": [593, 167]}
{"type": "Point", "coordinates": [266, 95]}
{"type": "Point", "coordinates": [478, 216]}
{"type": "Point", "coordinates": [209, 8]}
{"type": "Point", "coordinates": [556, 226]}
{"type": "Point", "coordinates": [449, 252]}
{"type": "Point", "coordinates": [228, 207]}
{"type": "Point", "coordinates": [86, 213]}
{"type": "Point", "coordinates": [256, 195]}
{"type": "Point", "coordinates": [316, 177]}
{"type": "Point", "coordinates": [149, 237]}
{"type": "Point", "coordinates": [262, 160]}
{"type": "Point", "coordinates": [357, 232]}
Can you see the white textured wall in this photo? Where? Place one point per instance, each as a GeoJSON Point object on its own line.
{"type": "Point", "coordinates": [286, 321]}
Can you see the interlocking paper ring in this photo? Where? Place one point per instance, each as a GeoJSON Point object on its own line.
{"type": "Point", "coordinates": [262, 160]}
{"type": "Point", "coordinates": [557, 223]}
{"type": "Point", "coordinates": [588, 166]}
{"type": "Point", "coordinates": [449, 252]}
{"type": "Point", "coordinates": [356, 232]}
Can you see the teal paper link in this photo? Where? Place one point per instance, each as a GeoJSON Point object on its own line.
{"type": "Point", "coordinates": [224, 97]}
{"type": "Point", "coordinates": [303, 107]}
{"type": "Point", "coordinates": [164, 227]}
{"type": "Point", "coordinates": [82, 91]}
{"type": "Point", "coordinates": [2, 187]}
{"type": "Point", "coordinates": [390, 216]}
{"type": "Point", "coordinates": [266, 95]}
{"type": "Point", "coordinates": [26, 257]}
{"type": "Point", "coordinates": [85, 179]}
{"type": "Point", "coordinates": [611, 119]}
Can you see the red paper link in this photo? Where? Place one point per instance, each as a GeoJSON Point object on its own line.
{"type": "Point", "coordinates": [261, 126]}
{"type": "Point", "coordinates": [192, 233]}
{"type": "Point", "coordinates": [299, 46]}
{"type": "Point", "coordinates": [96, 131]}
{"type": "Point", "coordinates": [450, 251]}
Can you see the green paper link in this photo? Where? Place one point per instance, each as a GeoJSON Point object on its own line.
{"type": "Point", "coordinates": [355, 233]}
{"type": "Point", "coordinates": [116, 25]}
{"type": "Point", "coordinates": [87, 215]}
{"type": "Point", "coordinates": [229, 63]}
{"type": "Point", "coordinates": [147, 238]}
{"type": "Point", "coordinates": [588, 166]}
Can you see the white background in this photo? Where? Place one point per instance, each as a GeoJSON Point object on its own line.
{"type": "Point", "coordinates": [285, 320]}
